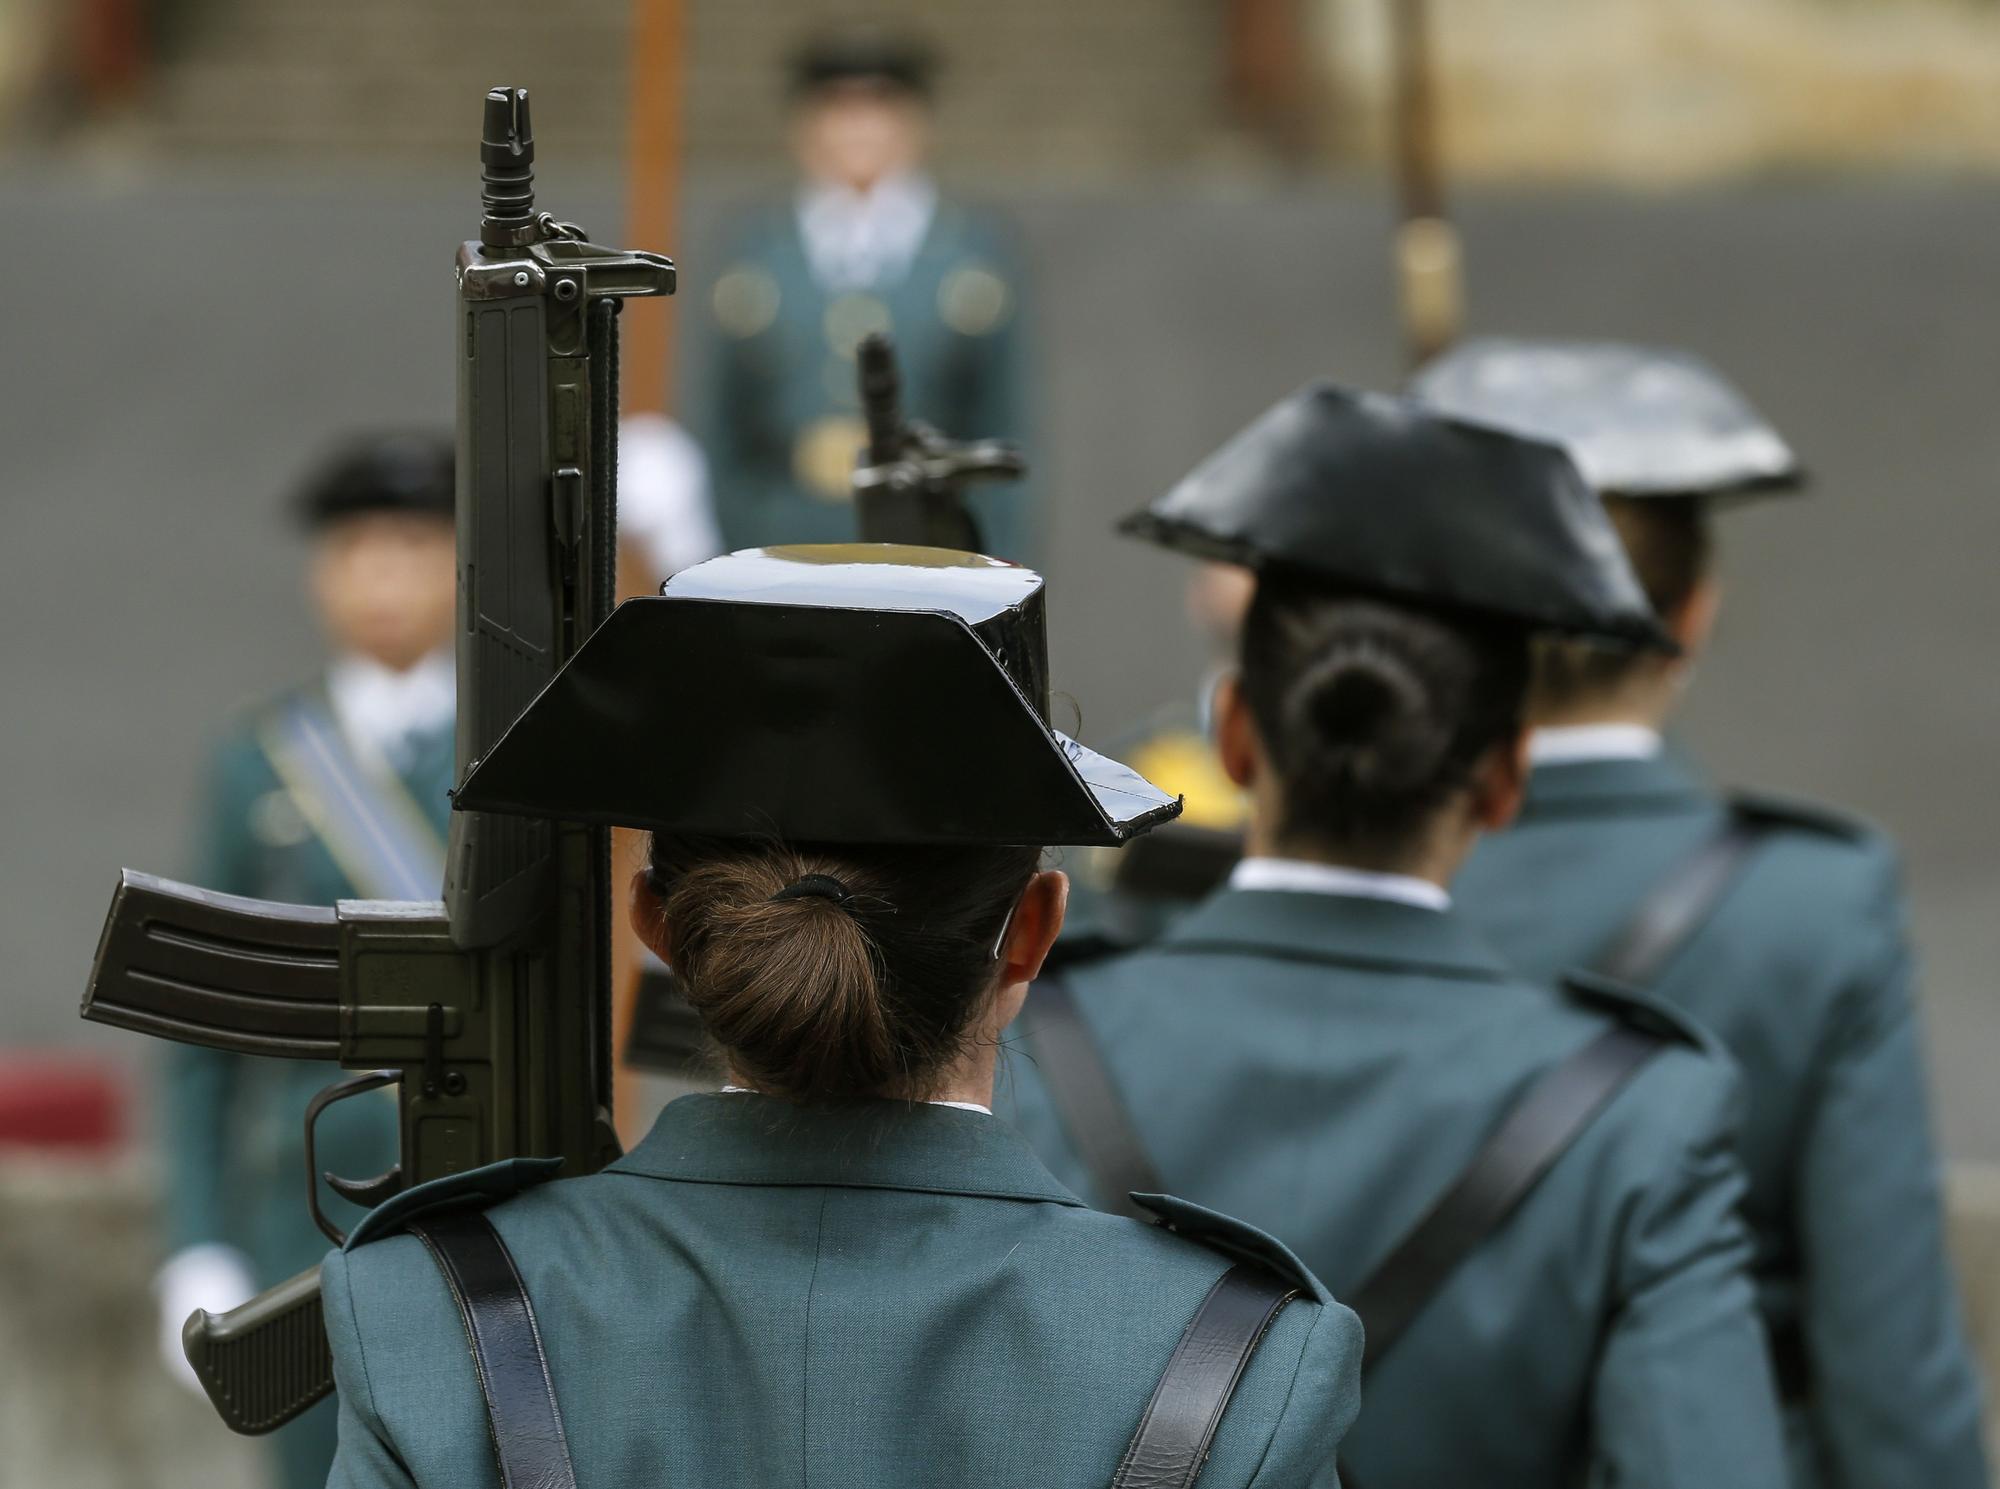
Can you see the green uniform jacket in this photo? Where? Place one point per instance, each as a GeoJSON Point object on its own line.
{"type": "Point", "coordinates": [773, 397]}
{"type": "Point", "coordinates": [872, 1298]}
{"type": "Point", "coordinates": [1325, 1066]}
{"type": "Point", "coordinates": [1804, 973]}
{"type": "Point", "coordinates": [233, 1126]}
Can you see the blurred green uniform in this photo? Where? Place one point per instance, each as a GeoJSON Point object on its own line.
{"type": "Point", "coordinates": [1325, 1065]}
{"type": "Point", "coordinates": [774, 399]}
{"type": "Point", "coordinates": [1805, 974]}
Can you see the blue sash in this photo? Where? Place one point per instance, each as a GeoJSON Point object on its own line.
{"type": "Point", "coordinates": [357, 805]}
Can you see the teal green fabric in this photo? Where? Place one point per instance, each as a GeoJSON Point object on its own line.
{"type": "Point", "coordinates": [871, 1298]}
{"type": "Point", "coordinates": [1805, 973]}
{"type": "Point", "coordinates": [767, 372]}
{"type": "Point", "coordinates": [1325, 1066]}
{"type": "Point", "coordinates": [232, 1126]}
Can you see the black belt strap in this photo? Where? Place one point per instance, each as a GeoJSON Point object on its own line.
{"type": "Point", "coordinates": [1678, 905]}
{"type": "Point", "coordinates": [521, 1411]}
{"type": "Point", "coordinates": [1560, 1105]}
{"type": "Point", "coordinates": [1087, 1100]}
{"type": "Point", "coordinates": [1530, 1138]}
{"type": "Point", "coordinates": [1180, 1422]}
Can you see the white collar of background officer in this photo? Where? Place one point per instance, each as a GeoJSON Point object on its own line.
{"type": "Point", "coordinates": [856, 240]}
{"type": "Point", "coordinates": [1575, 744]}
{"type": "Point", "coordinates": [381, 710]}
{"type": "Point", "coordinates": [1301, 876]}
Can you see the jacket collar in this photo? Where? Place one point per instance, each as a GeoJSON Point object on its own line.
{"type": "Point", "coordinates": [1662, 784]}
{"type": "Point", "coordinates": [751, 1139]}
{"type": "Point", "coordinates": [1336, 928]}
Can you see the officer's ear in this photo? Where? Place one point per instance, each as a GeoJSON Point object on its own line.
{"type": "Point", "coordinates": [1235, 731]}
{"type": "Point", "coordinates": [1499, 781]}
{"type": "Point", "coordinates": [1031, 930]}
{"type": "Point", "coordinates": [1693, 620]}
{"type": "Point", "coordinates": [648, 913]}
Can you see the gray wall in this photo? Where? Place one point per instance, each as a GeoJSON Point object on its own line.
{"type": "Point", "coordinates": [176, 350]}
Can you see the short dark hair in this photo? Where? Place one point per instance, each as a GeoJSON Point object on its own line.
{"type": "Point", "coordinates": [1667, 540]}
{"type": "Point", "coordinates": [1374, 713]}
{"type": "Point", "coordinates": [834, 999]}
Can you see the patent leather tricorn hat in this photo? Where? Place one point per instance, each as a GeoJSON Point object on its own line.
{"type": "Point", "coordinates": [845, 693]}
{"type": "Point", "coordinates": [1385, 496]}
{"type": "Point", "coordinates": [1639, 421]}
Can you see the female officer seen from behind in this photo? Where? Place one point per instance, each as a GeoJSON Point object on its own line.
{"type": "Point", "coordinates": [1324, 1046]}
{"type": "Point", "coordinates": [841, 1269]}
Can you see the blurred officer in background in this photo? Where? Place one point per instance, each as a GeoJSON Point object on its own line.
{"type": "Point", "coordinates": [1327, 1047]}
{"type": "Point", "coordinates": [866, 245]}
{"type": "Point", "coordinates": [332, 791]}
{"type": "Point", "coordinates": [1801, 967]}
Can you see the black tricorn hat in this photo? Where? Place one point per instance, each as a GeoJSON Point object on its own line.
{"type": "Point", "coordinates": [863, 57]}
{"type": "Point", "coordinates": [1639, 421]}
{"type": "Point", "coordinates": [842, 693]}
{"type": "Point", "coordinates": [405, 471]}
{"type": "Point", "coordinates": [1385, 496]}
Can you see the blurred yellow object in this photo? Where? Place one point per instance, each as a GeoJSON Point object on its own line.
{"type": "Point", "coordinates": [1183, 762]}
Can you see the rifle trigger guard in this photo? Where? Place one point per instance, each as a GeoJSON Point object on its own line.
{"type": "Point", "coordinates": [367, 1193]}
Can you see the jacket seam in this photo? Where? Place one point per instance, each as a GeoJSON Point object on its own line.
{"type": "Point", "coordinates": [1291, 1394]}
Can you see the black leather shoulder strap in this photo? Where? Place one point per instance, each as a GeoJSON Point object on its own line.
{"type": "Point", "coordinates": [1086, 1100]}
{"type": "Point", "coordinates": [1530, 1138]}
{"type": "Point", "coordinates": [521, 1412]}
{"type": "Point", "coordinates": [1180, 1422]}
{"type": "Point", "coordinates": [1561, 1104]}
{"type": "Point", "coordinates": [1679, 904]}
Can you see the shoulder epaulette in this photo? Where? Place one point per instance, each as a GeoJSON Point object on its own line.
{"type": "Point", "coordinates": [1231, 1237]}
{"type": "Point", "coordinates": [474, 1189]}
{"type": "Point", "coordinates": [1637, 1007]}
{"type": "Point", "coordinates": [1792, 811]}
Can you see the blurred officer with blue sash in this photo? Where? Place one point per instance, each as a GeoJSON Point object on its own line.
{"type": "Point", "coordinates": [332, 790]}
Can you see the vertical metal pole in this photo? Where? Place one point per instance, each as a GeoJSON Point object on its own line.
{"type": "Point", "coordinates": [655, 148]}
{"type": "Point", "coordinates": [1428, 264]}
{"type": "Point", "coordinates": [654, 151]}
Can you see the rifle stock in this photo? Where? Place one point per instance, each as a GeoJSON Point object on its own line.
{"type": "Point", "coordinates": [490, 1011]}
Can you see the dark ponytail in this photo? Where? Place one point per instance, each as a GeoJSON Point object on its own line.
{"type": "Point", "coordinates": [835, 973]}
{"type": "Point", "coordinates": [1373, 714]}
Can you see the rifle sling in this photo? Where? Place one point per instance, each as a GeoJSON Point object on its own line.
{"type": "Point", "coordinates": [1180, 1422]}
{"type": "Point", "coordinates": [1086, 1099]}
{"type": "Point", "coordinates": [521, 1412]}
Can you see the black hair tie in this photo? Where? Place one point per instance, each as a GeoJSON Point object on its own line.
{"type": "Point", "coordinates": [814, 887]}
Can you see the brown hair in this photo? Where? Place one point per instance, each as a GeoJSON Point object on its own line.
{"type": "Point", "coordinates": [1373, 713]}
{"type": "Point", "coordinates": [867, 987]}
{"type": "Point", "coordinates": [1667, 540]}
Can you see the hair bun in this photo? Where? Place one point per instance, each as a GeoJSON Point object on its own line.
{"type": "Point", "coordinates": [1366, 718]}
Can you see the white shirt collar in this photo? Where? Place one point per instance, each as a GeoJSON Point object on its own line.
{"type": "Point", "coordinates": [1573, 744]}
{"type": "Point", "coordinates": [964, 1106]}
{"type": "Point", "coordinates": [1298, 876]}
{"type": "Point", "coordinates": [855, 240]}
{"type": "Point", "coordinates": [379, 709]}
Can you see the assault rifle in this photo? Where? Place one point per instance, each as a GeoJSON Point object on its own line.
{"type": "Point", "coordinates": [910, 484]}
{"type": "Point", "coordinates": [489, 1012]}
